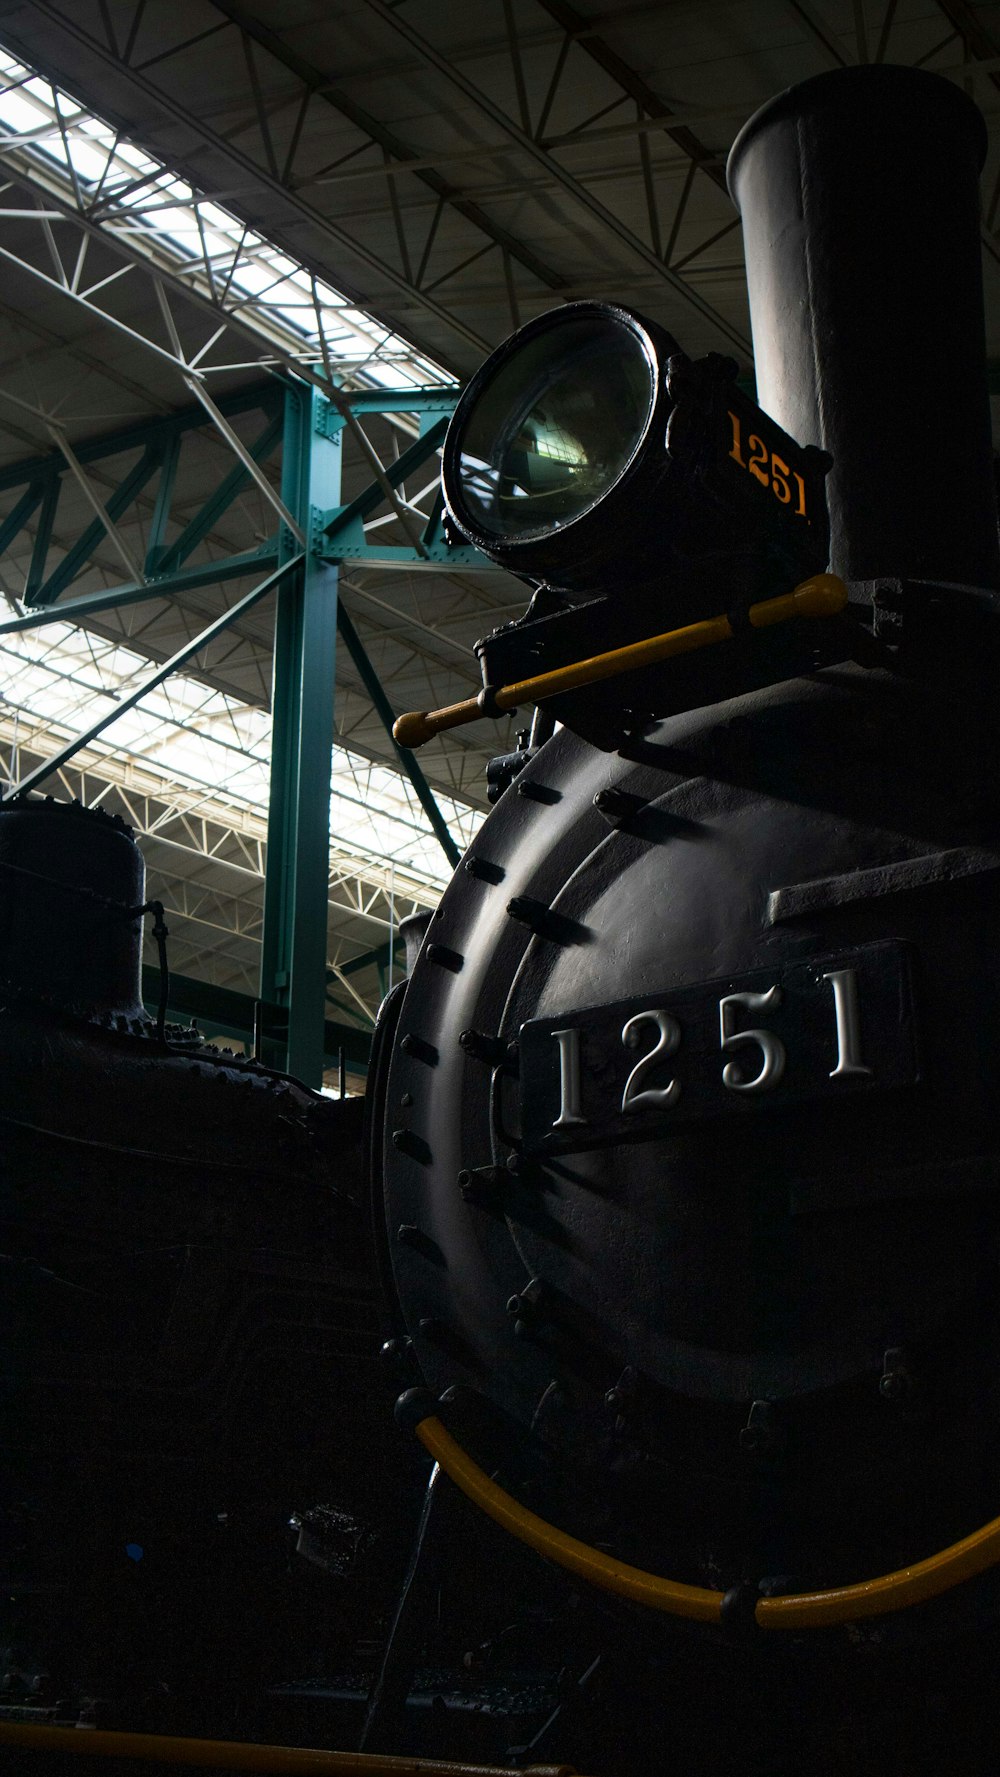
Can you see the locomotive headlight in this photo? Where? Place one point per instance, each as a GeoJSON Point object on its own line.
{"type": "Point", "coordinates": [551, 429]}
{"type": "Point", "coordinates": [591, 454]}
{"type": "Point", "coordinates": [554, 423]}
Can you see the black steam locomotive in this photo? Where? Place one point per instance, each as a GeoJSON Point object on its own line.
{"type": "Point", "coordinates": [690, 1160]}
{"type": "Point", "coordinates": [681, 1135]}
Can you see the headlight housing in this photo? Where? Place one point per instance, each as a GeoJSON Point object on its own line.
{"type": "Point", "coordinates": [551, 425]}
{"type": "Point", "coordinates": [589, 453]}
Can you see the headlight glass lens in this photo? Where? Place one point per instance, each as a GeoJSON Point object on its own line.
{"type": "Point", "coordinates": [555, 427]}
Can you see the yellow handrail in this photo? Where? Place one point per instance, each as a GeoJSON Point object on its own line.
{"type": "Point", "coordinates": [823, 596]}
{"type": "Point", "coordinates": [806, 1610]}
{"type": "Point", "coordinates": [244, 1755]}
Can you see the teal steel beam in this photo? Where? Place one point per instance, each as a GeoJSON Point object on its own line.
{"type": "Point", "coordinates": [372, 496]}
{"type": "Point", "coordinates": [183, 655]}
{"type": "Point", "coordinates": [156, 536]}
{"type": "Point", "coordinates": [77, 557]}
{"type": "Point", "coordinates": [266, 395]}
{"type": "Point", "coordinates": [19, 515]}
{"type": "Point", "coordinates": [342, 1005]}
{"type": "Point", "coordinates": [383, 708]}
{"type": "Point", "coordinates": [206, 519]}
{"type": "Point", "coordinates": [41, 478]}
{"type": "Point", "coordinates": [344, 529]}
{"type": "Point", "coordinates": [293, 961]}
{"type": "Point", "coordinates": [205, 573]}
{"type": "Point", "coordinates": [160, 441]}
{"type": "Point", "coordinates": [440, 399]}
{"type": "Point", "coordinates": [43, 536]}
{"type": "Point", "coordinates": [350, 546]}
{"type": "Point", "coordinates": [368, 957]}
{"type": "Point", "coordinates": [232, 1014]}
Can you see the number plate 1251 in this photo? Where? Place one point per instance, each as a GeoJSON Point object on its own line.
{"type": "Point", "coordinates": [822, 1028]}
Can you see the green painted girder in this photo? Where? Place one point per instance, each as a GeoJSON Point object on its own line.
{"type": "Point", "coordinates": [296, 893]}
{"type": "Point", "coordinates": [264, 395]}
{"type": "Point", "coordinates": [384, 711]}
{"type": "Point", "coordinates": [170, 452]}
{"type": "Point", "coordinates": [118, 502]}
{"type": "Point", "coordinates": [232, 1014]}
{"type": "Point", "coordinates": [43, 538]}
{"type": "Point", "coordinates": [206, 573]}
{"type": "Point", "coordinates": [159, 439]}
{"type": "Point", "coordinates": [19, 515]}
{"type": "Point", "coordinates": [344, 531]}
{"type": "Point", "coordinates": [380, 954]}
{"type": "Point", "coordinates": [441, 399]}
{"type": "Point", "coordinates": [365, 503]}
{"type": "Point", "coordinates": [48, 766]}
{"type": "Point", "coordinates": [197, 529]}
{"type": "Point", "coordinates": [351, 547]}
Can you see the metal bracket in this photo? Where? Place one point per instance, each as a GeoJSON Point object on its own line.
{"type": "Point", "coordinates": [318, 517]}
{"type": "Point", "coordinates": [328, 422]}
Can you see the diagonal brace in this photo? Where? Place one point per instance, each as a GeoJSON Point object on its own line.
{"type": "Point", "coordinates": [394, 473]}
{"type": "Point", "coordinates": [18, 517]}
{"type": "Point", "coordinates": [372, 685]}
{"type": "Point", "coordinates": [81, 477]}
{"type": "Point", "coordinates": [252, 468]}
{"type": "Point", "coordinates": [204, 520]}
{"type": "Point", "coordinates": [183, 655]}
{"type": "Point", "coordinates": [84, 547]}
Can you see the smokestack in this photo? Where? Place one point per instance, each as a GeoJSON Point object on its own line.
{"type": "Point", "coordinates": [859, 197]}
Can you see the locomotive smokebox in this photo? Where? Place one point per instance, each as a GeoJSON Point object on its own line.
{"type": "Point", "coordinates": [858, 192]}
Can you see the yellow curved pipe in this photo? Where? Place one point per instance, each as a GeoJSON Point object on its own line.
{"type": "Point", "coordinates": [602, 1570]}
{"type": "Point", "coordinates": [806, 1610]}
{"type": "Point", "coordinates": [243, 1755]}
{"type": "Point", "coordinates": [890, 1591]}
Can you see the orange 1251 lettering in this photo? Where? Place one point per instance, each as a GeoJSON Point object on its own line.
{"type": "Point", "coordinates": [767, 467]}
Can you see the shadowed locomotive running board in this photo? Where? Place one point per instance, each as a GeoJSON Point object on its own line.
{"type": "Point", "coordinates": [827, 894]}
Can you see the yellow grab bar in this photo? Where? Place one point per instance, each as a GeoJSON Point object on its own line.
{"type": "Point", "coordinates": [823, 596]}
{"type": "Point", "coordinates": [806, 1610]}
{"type": "Point", "coordinates": [242, 1755]}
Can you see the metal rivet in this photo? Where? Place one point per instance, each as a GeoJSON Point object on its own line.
{"type": "Point", "coordinates": [529, 912]}
{"type": "Point", "coordinates": [617, 805]}
{"type": "Point", "coordinates": [478, 1184]}
{"type": "Point", "coordinates": [535, 792]}
{"type": "Point", "coordinates": [483, 870]}
{"type": "Point", "coordinates": [409, 1143]}
{"type": "Point", "coordinates": [444, 957]}
{"type": "Point", "coordinates": [544, 922]}
{"type": "Point", "coordinates": [483, 1047]}
{"type": "Point", "coordinates": [527, 1306]}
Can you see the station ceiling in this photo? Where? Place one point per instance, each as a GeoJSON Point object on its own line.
{"type": "Point", "coordinates": [450, 169]}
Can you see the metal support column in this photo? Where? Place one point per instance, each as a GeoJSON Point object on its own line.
{"type": "Point", "coordinates": [296, 888]}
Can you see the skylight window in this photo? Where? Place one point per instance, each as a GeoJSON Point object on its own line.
{"type": "Point", "coordinates": [56, 681]}
{"type": "Point", "coordinates": [192, 735]}
{"type": "Point", "coordinates": [83, 159]}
